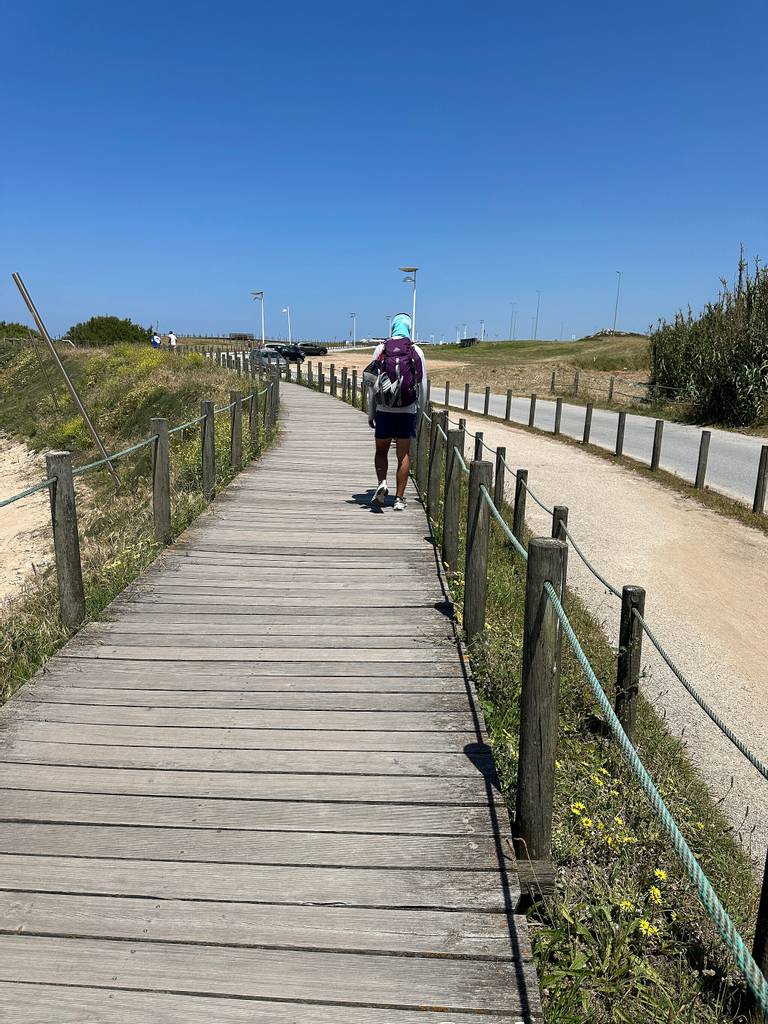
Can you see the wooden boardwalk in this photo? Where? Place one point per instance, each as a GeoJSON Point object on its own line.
{"type": "Point", "coordinates": [261, 792]}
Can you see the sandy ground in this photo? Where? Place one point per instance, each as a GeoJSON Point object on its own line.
{"type": "Point", "coordinates": [706, 580]}
{"type": "Point", "coordinates": [25, 535]}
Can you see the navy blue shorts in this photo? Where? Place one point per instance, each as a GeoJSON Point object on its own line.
{"type": "Point", "coordinates": [395, 424]}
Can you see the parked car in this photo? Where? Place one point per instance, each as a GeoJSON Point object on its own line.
{"type": "Point", "coordinates": [313, 348]}
{"type": "Point", "coordinates": [264, 358]}
{"type": "Point", "coordinates": [293, 353]}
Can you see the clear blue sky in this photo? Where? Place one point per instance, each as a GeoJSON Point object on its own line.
{"type": "Point", "coordinates": [161, 161]}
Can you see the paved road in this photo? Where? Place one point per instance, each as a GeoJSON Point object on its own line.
{"type": "Point", "coordinates": [733, 458]}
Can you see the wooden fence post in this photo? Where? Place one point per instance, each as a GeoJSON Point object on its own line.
{"type": "Point", "coordinates": [701, 467]}
{"type": "Point", "coordinates": [447, 393]}
{"type": "Point", "coordinates": [208, 450]}
{"type": "Point", "coordinates": [498, 479]}
{"type": "Point", "coordinates": [630, 657]}
{"type": "Point", "coordinates": [539, 699]}
{"type": "Point", "coordinates": [476, 561]}
{"type": "Point", "coordinates": [487, 401]}
{"type": "Point", "coordinates": [518, 512]}
{"type": "Point", "coordinates": [236, 431]}
{"type": "Point", "coordinates": [658, 434]}
{"type": "Point", "coordinates": [508, 410]}
{"type": "Point", "coordinates": [310, 380]}
{"type": "Point", "coordinates": [440, 420]}
{"type": "Point", "coordinates": [354, 388]}
{"type": "Point", "coordinates": [758, 505]}
{"type": "Point", "coordinates": [610, 391]}
{"type": "Point", "coordinates": [466, 396]}
{"type": "Point", "coordinates": [587, 424]}
{"type": "Point", "coordinates": [344, 385]}
{"type": "Point", "coordinates": [620, 427]}
{"type": "Point", "coordinates": [576, 378]}
{"type": "Point", "coordinates": [451, 498]}
{"type": "Point", "coordinates": [422, 455]}
{"type": "Point", "coordinates": [320, 380]}
{"type": "Point", "coordinates": [161, 481]}
{"type": "Point", "coordinates": [333, 387]}
{"type": "Point", "coordinates": [298, 371]}
{"type": "Point", "coordinates": [552, 380]}
{"type": "Point", "coordinates": [253, 416]}
{"type": "Point", "coordinates": [66, 539]}
{"type": "Point", "coordinates": [558, 414]}
{"type": "Point", "coordinates": [462, 423]}
{"type": "Point", "coordinates": [319, 373]}
{"type": "Point", "coordinates": [532, 412]}
{"type": "Point", "coordinates": [559, 522]}
{"type": "Point", "coordinates": [478, 446]}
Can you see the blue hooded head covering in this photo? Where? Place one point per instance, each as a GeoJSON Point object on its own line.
{"type": "Point", "coordinates": [401, 326]}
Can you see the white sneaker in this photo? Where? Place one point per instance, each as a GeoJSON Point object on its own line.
{"type": "Point", "coordinates": [381, 492]}
{"type": "Point", "coordinates": [400, 504]}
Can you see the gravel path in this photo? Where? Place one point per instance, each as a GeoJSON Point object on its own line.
{"type": "Point", "coordinates": [706, 580]}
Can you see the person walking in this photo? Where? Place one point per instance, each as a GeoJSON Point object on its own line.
{"type": "Point", "coordinates": [172, 340]}
{"type": "Point", "coordinates": [397, 391]}
{"type": "Point", "coordinates": [156, 340]}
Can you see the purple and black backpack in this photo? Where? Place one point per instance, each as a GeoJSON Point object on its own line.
{"type": "Point", "coordinates": [400, 373]}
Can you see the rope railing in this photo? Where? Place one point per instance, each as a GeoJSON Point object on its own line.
{"type": "Point", "coordinates": [187, 425]}
{"type": "Point", "coordinates": [43, 485]}
{"type": "Point", "coordinates": [117, 455]}
{"type": "Point", "coordinates": [500, 520]}
{"type": "Point", "coordinates": [710, 712]}
{"type": "Point", "coordinates": [733, 941]}
{"type": "Point", "coordinates": [589, 565]}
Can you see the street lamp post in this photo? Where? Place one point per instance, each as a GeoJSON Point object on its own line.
{"type": "Point", "coordinates": [616, 307]}
{"type": "Point", "coordinates": [465, 330]}
{"type": "Point", "coordinates": [536, 325]}
{"type": "Point", "coordinates": [353, 317]}
{"type": "Point", "coordinates": [512, 318]}
{"type": "Point", "coordinates": [287, 309]}
{"type": "Point", "coordinates": [410, 273]}
{"type": "Point", "coordinates": [260, 297]}
{"type": "Point", "coordinates": [482, 330]}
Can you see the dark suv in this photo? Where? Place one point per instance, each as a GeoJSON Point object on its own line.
{"type": "Point", "coordinates": [293, 353]}
{"type": "Point", "coordinates": [313, 348]}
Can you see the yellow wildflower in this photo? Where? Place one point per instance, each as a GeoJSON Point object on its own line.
{"type": "Point", "coordinates": [596, 779]}
{"type": "Point", "coordinates": [661, 874]}
{"type": "Point", "coordinates": [655, 893]}
{"type": "Point", "coordinates": [578, 807]}
{"type": "Point", "coordinates": [586, 822]}
{"type": "Point", "coordinates": [647, 928]}
{"type": "Point", "coordinates": [627, 905]}
{"type": "Point", "coordinates": [618, 821]}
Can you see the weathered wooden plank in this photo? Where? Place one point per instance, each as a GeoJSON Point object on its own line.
{"type": "Point", "coordinates": [57, 1004]}
{"type": "Point", "coordinates": [239, 738]}
{"type": "Point", "coordinates": [271, 701]}
{"type": "Point", "coordinates": [357, 979]}
{"type": "Point", "coordinates": [264, 815]}
{"type": "Point", "coordinates": [422, 932]}
{"type": "Point", "coordinates": [436, 626]}
{"type": "Point", "coordinates": [352, 721]}
{"type": "Point", "coordinates": [351, 762]}
{"type": "Point", "coordinates": [180, 652]}
{"type": "Point", "coordinates": [295, 885]}
{"type": "Point", "coordinates": [248, 785]}
{"type": "Point", "coordinates": [114, 636]}
{"type": "Point", "coordinates": [239, 846]}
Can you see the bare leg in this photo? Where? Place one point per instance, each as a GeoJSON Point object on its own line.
{"type": "Point", "coordinates": [380, 460]}
{"type": "Point", "coordinates": [403, 464]}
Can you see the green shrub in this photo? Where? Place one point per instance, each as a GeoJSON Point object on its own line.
{"type": "Point", "coordinates": [718, 361]}
{"type": "Point", "coordinates": [108, 330]}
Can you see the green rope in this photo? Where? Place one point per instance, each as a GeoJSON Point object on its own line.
{"type": "Point", "coordinates": [460, 457]}
{"type": "Point", "coordinates": [115, 455]}
{"type": "Point", "coordinates": [725, 926]}
{"type": "Point", "coordinates": [722, 726]}
{"type": "Point", "coordinates": [586, 561]}
{"type": "Point", "coordinates": [25, 494]}
{"type": "Point", "coordinates": [185, 426]}
{"type": "Point", "coordinates": [500, 520]}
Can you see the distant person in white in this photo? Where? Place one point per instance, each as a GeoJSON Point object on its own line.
{"type": "Point", "coordinates": [156, 340]}
{"type": "Point", "coordinates": [172, 341]}
{"type": "Point", "coordinates": [397, 379]}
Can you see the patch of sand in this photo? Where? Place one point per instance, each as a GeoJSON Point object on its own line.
{"type": "Point", "coordinates": [25, 526]}
{"type": "Point", "coordinates": [706, 581]}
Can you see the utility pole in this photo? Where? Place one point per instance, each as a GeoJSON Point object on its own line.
{"type": "Point", "coordinates": [536, 325]}
{"type": "Point", "coordinates": [616, 307]}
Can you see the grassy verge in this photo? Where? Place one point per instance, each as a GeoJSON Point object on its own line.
{"type": "Point", "coordinates": [123, 388]}
{"type": "Point", "coordinates": [624, 939]}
